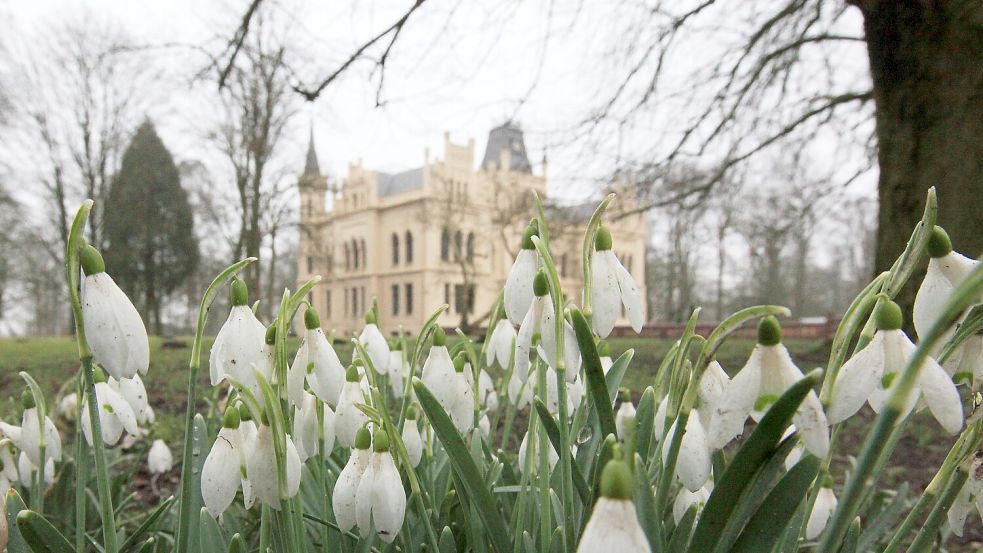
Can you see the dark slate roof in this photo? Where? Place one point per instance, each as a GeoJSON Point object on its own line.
{"type": "Point", "coordinates": [507, 136]}
{"type": "Point", "coordinates": [311, 167]}
{"type": "Point", "coordinates": [391, 184]}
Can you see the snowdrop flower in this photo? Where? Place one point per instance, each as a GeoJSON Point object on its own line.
{"type": "Point", "coordinates": [946, 270]}
{"type": "Point", "coordinates": [25, 470]}
{"type": "Point", "coordinates": [239, 348]}
{"type": "Point", "coordinates": [693, 463]}
{"type": "Point", "coordinates": [375, 343]}
{"type": "Point", "coordinates": [768, 373]}
{"type": "Point", "coordinates": [306, 428]}
{"type": "Point", "coordinates": [411, 437]}
{"type": "Point", "coordinates": [869, 375]}
{"type": "Point", "coordinates": [438, 369]}
{"type": "Point", "coordinates": [659, 428]}
{"type": "Point", "coordinates": [604, 351]}
{"type": "Point", "coordinates": [317, 363]}
{"type": "Point", "coordinates": [219, 478]}
{"type": "Point", "coordinates": [29, 439]}
{"type": "Point", "coordinates": [613, 525]}
{"type": "Point", "coordinates": [533, 459]}
{"type": "Point", "coordinates": [721, 423]}
{"type": "Point", "coordinates": [518, 285]}
{"type": "Point", "coordinates": [626, 412]}
{"type": "Point", "coordinates": [115, 414]}
{"type": "Point", "coordinates": [484, 426]}
{"type": "Point", "coordinates": [458, 394]}
{"type": "Point", "coordinates": [328, 429]}
{"type": "Point", "coordinates": [380, 501]}
{"type": "Point", "coordinates": [398, 369]}
{"type": "Point", "coordinates": [539, 330]}
{"type": "Point", "coordinates": [135, 393]}
{"type": "Point", "coordinates": [611, 287]}
{"type": "Point", "coordinates": [501, 343]}
{"type": "Point", "coordinates": [520, 391]}
{"type": "Point", "coordinates": [686, 498]}
{"type": "Point", "coordinates": [160, 459]}
{"type": "Point", "coordinates": [971, 494]}
{"type": "Point", "coordinates": [821, 510]}
{"type": "Point", "coordinates": [8, 467]}
{"type": "Point", "coordinates": [261, 469]}
{"type": "Point", "coordinates": [348, 417]}
{"type": "Point", "coordinates": [68, 406]}
{"type": "Point", "coordinates": [345, 494]}
{"type": "Point", "coordinates": [113, 328]}
{"type": "Point", "coordinates": [487, 397]}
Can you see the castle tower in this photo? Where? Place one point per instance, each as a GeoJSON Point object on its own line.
{"type": "Point", "coordinates": [313, 187]}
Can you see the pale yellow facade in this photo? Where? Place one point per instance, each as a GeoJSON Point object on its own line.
{"type": "Point", "coordinates": [428, 236]}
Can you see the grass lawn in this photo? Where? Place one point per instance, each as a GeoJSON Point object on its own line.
{"type": "Point", "coordinates": [53, 361]}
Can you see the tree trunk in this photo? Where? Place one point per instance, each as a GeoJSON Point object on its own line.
{"type": "Point", "coordinates": [928, 90]}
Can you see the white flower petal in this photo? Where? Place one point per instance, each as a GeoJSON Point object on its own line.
{"type": "Point", "coordinates": [693, 464]}
{"type": "Point", "coordinates": [113, 327]}
{"type": "Point", "coordinates": [413, 442]}
{"type": "Point", "coordinates": [220, 475]}
{"type": "Point", "coordinates": [941, 396]}
{"type": "Point", "coordinates": [518, 285]}
{"type": "Point", "coordinates": [821, 511]}
{"type": "Point", "coordinates": [348, 417]}
{"type": "Point", "coordinates": [376, 346]}
{"type": "Point", "coordinates": [328, 428]}
{"type": "Point", "coordinates": [631, 296]}
{"type": "Point", "coordinates": [500, 343]}
{"type": "Point", "coordinates": [686, 498]}
{"type": "Point", "coordinates": [811, 422]}
{"type": "Point", "coordinates": [343, 498]}
{"type": "Point", "coordinates": [388, 499]}
{"type": "Point", "coordinates": [605, 293]}
{"type": "Point", "coordinates": [159, 460]}
{"type": "Point", "coordinates": [613, 528]}
{"type": "Point", "coordinates": [858, 377]}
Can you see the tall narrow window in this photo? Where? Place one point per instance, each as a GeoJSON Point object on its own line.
{"type": "Point", "coordinates": [409, 247]}
{"type": "Point", "coordinates": [355, 255]}
{"type": "Point", "coordinates": [395, 245]}
{"type": "Point", "coordinates": [362, 310]}
{"type": "Point", "coordinates": [345, 294]}
{"type": "Point", "coordinates": [327, 303]}
{"type": "Point", "coordinates": [310, 264]}
{"type": "Point", "coordinates": [470, 247]}
{"type": "Point", "coordinates": [457, 246]}
{"type": "Point", "coordinates": [365, 256]}
{"type": "Point", "coordinates": [445, 245]}
{"type": "Point", "coordinates": [464, 298]}
{"type": "Point", "coordinates": [395, 289]}
{"type": "Point", "coordinates": [409, 298]}
{"type": "Point", "coordinates": [348, 258]}
{"type": "Point", "coordinates": [447, 294]}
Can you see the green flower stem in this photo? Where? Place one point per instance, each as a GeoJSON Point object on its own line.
{"type": "Point", "coordinates": [185, 514]}
{"type": "Point", "coordinates": [41, 411]}
{"type": "Point", "coordinates": [81, 472]}
{"type": "Point", "coordinates": [859, 310]}
{"type": "Point", "coordinates": [72, 274]}
{"type": "Point", "coordinates": [543, 472]}
{"type": "Point", "coordinates": [425, 331]}
{"type": "Point", "coordinates": [925, 539]}
{"type": "Point", "coordinates": [592, 225]}
{"type": "Point", "coordinates": [875, 445]}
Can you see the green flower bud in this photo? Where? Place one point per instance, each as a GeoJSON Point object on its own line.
{"type": "Point", "coordinates": [439, 337]}
{"type": "Point", "coordinates": [231, 418]}
{"type": "Point", "coordinates": [363, 438]}
{"type": "Point", "coordinates": [27, 400]}
{"type": "Point", "coordinates": [270, 338]}
{"type": "Point", "coordinates": [540, 286]}
{"type": "Point", "coordinates": [603, 348]}
{"type": "Point", "coordinates": [624, 394]}
{"type": "Point", "coordinates": [381, 441]}
{"type": "Point", "coordinates": [459, 360]}
{"type": "Point", "coordinates": [602, 240]}
{"type": "Point", "coordinates": [888, 316]}
{"type": "Point", "coordinates": [351, 375]}
{"type": "Point", "coordinates": [311, 319]}
{"type": "Point", "coordinates": [527, 235]}
{"type": "Point", "coordinates": [939, 244]}
{"type": "Point", "coordinates": [358, 362]}
{"type": "Point", "coordinates": [98, 375]}
{"type": "Point", "coordinates": [244, 414]}
{"type": "Point", "coordinates": [616, 480]}
{"type": "Point", "coordinates": [411, 413]}
{"type": "Point", "coordinates": [769, 331]}
{"type": "Point", "coordinates": [371, 318]}
{"type": "Point", "coordinates": [91, 260]}
{"type": "Point", "coordinates": [240, 292]}
{"type": "Point", "coordinates": [397, 345]}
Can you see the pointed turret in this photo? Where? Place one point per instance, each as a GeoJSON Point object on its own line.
{"type": "Point", "coordinates": [311, 167]}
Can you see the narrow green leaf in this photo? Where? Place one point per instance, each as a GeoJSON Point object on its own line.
{"type": "Point", "coordinates": [210, 536]}
{"type": "Point", "coordinates": [852, 538]}
{"type": "Point", "coordinates": [597, 386]}
{"type": "Point", "coordinates": [148, 524]}
{"type": "Point", "coordinates": [148, 546]}
{"type": "Point", "coordinates": [553, 432]}
{"type": "Point", "coordinates": [680, 536]}
{"type": "Point", "coordinates": [447, 544]}
{"type": "Point", "coordinates": [878, 526]}
{"type": "Point", "coordinates": [41, 536]}
{"type": "Point", "coordinates": [644, 497]}
{"type": "Point", "coordinates": [645, 420]}
{"type": "Point", "coordinates": [766, 526]}
{"type": "Point", "coordinates": [760, 445]}
{"type": "Point", "coordinates": [237, 544]}
{"type": "Point", "coordinates": [465, 467]}
{"type": "Point", "coordinates": [15, 504]}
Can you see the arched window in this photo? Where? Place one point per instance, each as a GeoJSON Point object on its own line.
{"type": "Point", "coordinates": [409, 247]}
{"type": "Point", "coordinates": [365, 263]}
{"type": "Point", "coordinates": [445, 245]}
{"type": "Point", "coordinates": [395, 242]}
{"type": "Point", "coordinates": [470, 247]}
{"type": "Point", "coordinates": [348, 258]}
{"type": "Point", "coordinates": [355, 254]}
{"type": "Point", "coordinates": [457, 246]}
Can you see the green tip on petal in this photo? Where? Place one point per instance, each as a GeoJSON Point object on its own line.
{"type": "Point", "coordinates": [616, 480]}
{"type": "Point", "coordinates": [98, 375]}
{"type": "Point", "coordinates": [358, 362]}
{"type": "Point", "coordinates": [363, 438]}
{"type": "Point", "coordinates": [240, 292]}
{"type": "Point", "coordinates": [531, 230]}
{"type": "Point", "coordinates": [888, 316]}
{"type": "Point", "coordinates": [411, 413]}
{"type": "Point", "coordinates": [270, 338]}
{"type": "Point", "coordinates": [602, 240]}
{"type": "Point", "coordinates": [624, 394]}
{"type": "Point", "coordinates": [397, 345]}
{"type": "Point", "coordinates": [311, 319]}
{"type": "Point", "coordinates": [371, 318]}
{"type": "Point", "coordinates": [91, 260]}
{"type": "Point", "coordinates": [351, 375]}
{"type": "Point", "coordinates": [439, 337]}
{"type": "Point", "coordinates": [381, 441]}
{"type": "Point", "coordinates": [603, 349]}
{"type": "Point", "coordinates": [939, 244]}
{"type": "Point", "coordinates": [27, 400]}
{"type": "Point", "coordinates": [231, 418]}
{"type": "Point", "coordinates": [459, 360]}
{"type": "Point", "coordinates": [540, 286]}
{"type": "Point", "coordinates": [244, 414]}
{"type": "Point", "coordinates": [769, 331]}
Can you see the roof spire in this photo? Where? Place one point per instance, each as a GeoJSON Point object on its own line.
{"type": "Point", "coordinates": [311, 167]}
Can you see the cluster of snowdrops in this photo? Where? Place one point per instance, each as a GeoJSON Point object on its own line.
{"type": "Point", "coordinates": [407, 446]}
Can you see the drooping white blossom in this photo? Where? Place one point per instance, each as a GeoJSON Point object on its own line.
{"type": "Point", "coordinates": [261, 469]}
{"type": "Point", "coordinates": [224, 469]}
{"type": "Point", "coordinates": [821, 511]}
{"type": "Point", "coordinates": [518, 284]}
{"type": "Point", "coordinates": [693, 463]}
{"type": "Point", "coordinates": [487, 396]}
{"type": "Point", "coordinates": [307, 429]}
{"type": "Point", "coordinates": [28, 439]}
{"type": "Point", "coordinates": [348, 417]}
{"type": "Point", "coordinates": [113, 327]}
{"type": "Point", "coordinates": [685, 499]}
{"type": "Point", "coordinates": [159, 460]}
{"type": "Point", "coordinates": [345, 494]}
{"type": "Point", "coordinates": [399, 370]}
{"type": "Point", "coordinates": [625, 413]}
{"type": "Point", "coordinates": [538, 331]}
{"type": "Point", "coordinates": [239, 349]}
{"type": "Point", "coordinates": [68, 406]}
{"type": "Point", "coordinates": [970, 495]}
{"type": "Point", "coordinates": [380, 501]}
{"type": "Point", "coordinates": [317, 363]}
{"type": "Point", "coordinates": [612, 287]}
{"type": "Point", "coordinates": [501, 343]}
{"type": "Point", "coordinates": [135, 393]}
{"type": "Point", "coordinates": [115, 414]}
{"type": "Point", "coordinates": [613, 525]}
{"type": "Point", "coordinates": [411, 437]}
{"type": "Point", "coordinates": [871, 374]}
{"type": "Point", "coordinates": [946, 270]}
{"type": "Point", "coordinates": [438, 369]}
{"type": "Point", "coordinates": [375, 343]}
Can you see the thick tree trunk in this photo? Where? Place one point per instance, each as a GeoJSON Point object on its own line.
{"type": "Point", "coordinates": [925, 60]}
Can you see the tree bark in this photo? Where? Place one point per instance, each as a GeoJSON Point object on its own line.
{"type": "Point", "coordinates": [928, 89]}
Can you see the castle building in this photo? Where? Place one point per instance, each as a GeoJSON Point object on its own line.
{"type": "Point", "coordinates": [442, 233]}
